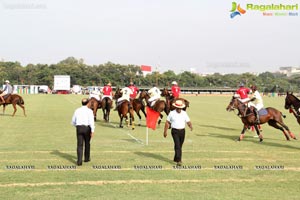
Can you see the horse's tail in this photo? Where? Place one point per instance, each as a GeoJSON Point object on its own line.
{"type": "Point", "coordinates": [21, 101]}
{"type": "Point", "coordinates": [106, 103]}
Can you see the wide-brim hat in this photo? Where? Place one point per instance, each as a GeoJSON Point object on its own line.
{"type": "Point", "coordinates": [109, 84]}
{"type": "Point", "coordinates": [178, 104]}
{"type": "Point", "coordinates": [7, 81]}
{"type": "Point", "coordinates": [174, 83]}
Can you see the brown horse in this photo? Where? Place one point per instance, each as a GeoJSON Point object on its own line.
{"type": "Point", "coordinates": [124, 108]}
{"type": "Point", "coordinates": [106, 104]}
{"type": "Point", "coordinates": [170, 100]}
{"type": "Point", "coordinates": [273, 118]}
{"type": "Point", "coordinates": [159, 106]}
{"type": "Point", "coordinates": [137, 106]}
{"type": "Point", "coordinates": [15, 100]}
{"type": "Point", "coordinates": [293, 104]}
{"type": "Point", "coordinates": [94, 104]}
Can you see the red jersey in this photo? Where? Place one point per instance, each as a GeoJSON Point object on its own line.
{"type": "Point", "coordinates": [107, 90]}
{"type": "Point", "coordinates": [175, 91]}
{"type": "Point", "coordinates": [243, 92]}
{"type": "Point", "coordinates": [134, 90]}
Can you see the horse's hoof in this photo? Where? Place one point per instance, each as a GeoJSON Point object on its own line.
{"type": "Point", "coordinates": [132, 128]}
{"type": "Point", "coordinates": [121, 126]}
{"type": "Point", "coordinates": [260, 140]}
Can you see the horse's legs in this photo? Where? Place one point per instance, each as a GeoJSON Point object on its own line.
{"type": "Point", "coordinates": [286, 128]}
{"type": "Point", "coordinates": [3, 109]}
{"type": "Point", "coordinates": [274, 124]}
{"type": "Point", "coordinates": [258, 133]}
{"type": "Point", "coordinates": [160, 118]}
{"type": "Point", "coordinates": [107, 115]}
{"type": "Point", "coordinates": [138, 114]}
{"type": "Point", "coordinates": [131, 113]}
{"type": "Point", "coordinates": [242, 134]}
{"type": "Point", "coordinates": [95, 113]}
{"type": "Point", "coordinates": [23, 107]}
{"type": "Point", "coordinates": [15, 109]}
{"type": "Point", "coordinates": [121, 120]}
{"type": "Point", "coordinates": [143, 110]}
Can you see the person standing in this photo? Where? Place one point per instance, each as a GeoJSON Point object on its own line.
{"type": "Point", "coordinates": [177, 120]}
{"type": "Point", "coordinates": [6, 90]}
{"type": "Point", "coordinates": [83, 120]}
{"type": "Point", "coordinates": [175, 90]}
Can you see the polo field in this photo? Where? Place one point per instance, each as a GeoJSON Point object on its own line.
{"type": "Point", "coordinates": [38, 155]}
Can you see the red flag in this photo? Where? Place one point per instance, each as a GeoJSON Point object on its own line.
{"type": "Point", "coordinates": [152, 117]}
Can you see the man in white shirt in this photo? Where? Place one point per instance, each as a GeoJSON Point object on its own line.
{"type": "Point", "coordinates": [83, 120]}
{"type": "Point", "coordinates": [126, 92]}
{"type": "Point", "coordinates": [177, 120]}
{"type": "Point", "coordinates": [154, 95]}
{"type": "Point", "coordinates": [7, 90]}
{"type": "Point", "coordinates": [256, 101]}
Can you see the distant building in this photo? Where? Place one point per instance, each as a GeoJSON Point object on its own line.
{"type": "Point", "coordinates": [146, 69]}
{"type": "Point", "coordinates": [289, 71]}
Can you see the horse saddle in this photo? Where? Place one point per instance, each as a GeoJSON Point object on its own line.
{"type": "Point", "coordinates": [6, 96]}
{"type": "Point", "coordinates": [119, 103]}
{"type": "Point", "coordinates": [262, 112]}
{"type": "Point", "coordinates": [152, 103]}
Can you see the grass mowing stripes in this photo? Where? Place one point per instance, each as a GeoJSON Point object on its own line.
{"type": "Point", "coordinates": [121, 165]}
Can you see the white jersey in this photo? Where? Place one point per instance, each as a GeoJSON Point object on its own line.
{"type": "Point", "coordinates": [95, 94]}
{"type": "Point", "coordinates": [258, 102]}
{"type": "Point", "coordinates": [154, 93]}
{"type": "Point", "coordinates": [126, 92]}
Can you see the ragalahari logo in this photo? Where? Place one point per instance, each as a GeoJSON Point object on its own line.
{"type": "Point", "coordinates": [236, 10]}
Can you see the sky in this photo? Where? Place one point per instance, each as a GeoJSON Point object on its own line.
{"type": "Point", "coordinates": [178, 35]}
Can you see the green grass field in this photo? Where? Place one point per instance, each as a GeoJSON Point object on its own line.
{"type": "Point", "coordinates": [46, 140]}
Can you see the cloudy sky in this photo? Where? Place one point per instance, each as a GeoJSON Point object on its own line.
{"type": "Point", "coordinates": [166, 34]}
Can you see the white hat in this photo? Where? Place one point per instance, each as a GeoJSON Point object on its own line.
{"type": "Point", "coordinates": [178, 104]}
{"type": "Point", "coordinates": [109, 84]}
{"type": "Point", "coordinates": [7, 81]}
{"type": "Point", "coordinates": [174, 83]}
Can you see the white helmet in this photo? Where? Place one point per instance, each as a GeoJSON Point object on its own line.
{"type": "Point", "coordinates": [174, 83]}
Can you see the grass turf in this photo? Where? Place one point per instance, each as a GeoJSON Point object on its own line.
{"type": "Point", "coordinates": [46, 141]}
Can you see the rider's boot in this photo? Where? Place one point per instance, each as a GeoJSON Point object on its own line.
{"type": "Point", "coordinates": [256, 116]}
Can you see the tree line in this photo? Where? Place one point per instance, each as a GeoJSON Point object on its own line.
{"type": "Point", "coordinates": [120, 75]}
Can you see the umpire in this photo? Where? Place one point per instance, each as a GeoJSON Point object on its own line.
{"type": "Point", "coordinates": [177, 120]}
{"type": "Point", "coordinates": [83, 120]}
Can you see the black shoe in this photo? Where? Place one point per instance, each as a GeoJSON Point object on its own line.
{"type": "Point", "coordinates": [87, 160]}
{"type": "Point", "coordinates": [79, 163]}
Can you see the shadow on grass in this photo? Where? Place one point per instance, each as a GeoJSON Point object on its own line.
{"type": "Point", "coordinates": [217, 135]}
{"type": "Point", "coordinates": [272, 144]}
{"type": "Point", "coordinates": [254, 140]}
{"type": "Point", "coordinates": [65, 156]}
{"type": "Point", "coordinates": [155, 156]}
{"type": "Point", "coordinates": [220, 127]}
{"type": "Point", "coordinates": [133, 141]}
